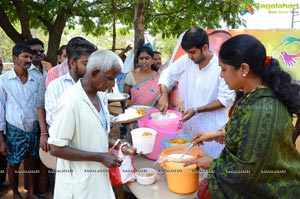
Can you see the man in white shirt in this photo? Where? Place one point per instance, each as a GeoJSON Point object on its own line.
{"type": "Point", "coordinates": [38, 56]}
{"type": "Point", "coordinates": [206, 94]}
{"type": "Point", "coordinates": [41, 67]}
{"type": "Point", "coordinates": [157, 59]}
{"type": "Point", "coordinates": [3, 162]}
{"type": "Point", "coordinates": [79, 133]}
{"type": "Point", "coordinates": [78, 50]}
{"type": "Point", "coordinates": [18, 115]}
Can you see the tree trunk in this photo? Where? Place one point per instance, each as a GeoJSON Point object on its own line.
{"type": "Point", "coordinates": [53, 46]}
{"type": "Point", "coordinates": [55, 33]}
{"type": "Point", "coordinates": [23, 18]}
{"type": "Point", "coordinates": [55, 30]}
{"type": "Point", "coordinates": [114, 36]}
{"type": "Point", "coordinates": [139, 15]}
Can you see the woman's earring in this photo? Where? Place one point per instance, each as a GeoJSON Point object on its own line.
{"type": "Point", "coordinates": [244, 75]}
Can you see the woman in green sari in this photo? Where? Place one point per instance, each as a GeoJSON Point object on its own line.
{"type": "Point", "coordinates": [259, 159]}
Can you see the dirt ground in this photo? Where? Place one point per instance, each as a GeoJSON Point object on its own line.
{"type": "Point", "coordinates": [7, 194]}
{"type": "Point", "coordinates": [120, 192]}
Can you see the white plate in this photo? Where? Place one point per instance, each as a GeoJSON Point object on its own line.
{"type": "Point", "coordinates": [117, 97]}
{"type": "Point", "coordinates": [116, 121]}
{"type": "Point", "coordinates": [47, 159]}
{"type": "Point", "coordinates": [142, 107]}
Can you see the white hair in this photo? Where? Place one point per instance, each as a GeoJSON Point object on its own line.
{"type": "Point", "coordinates": [103, 60]}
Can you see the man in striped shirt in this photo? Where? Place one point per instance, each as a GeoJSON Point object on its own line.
{"type": "Point", "coordinates": [38, 56]}
{"type": "Point", "coordinates": [3, 162]}
{"type": "Point", "coordinates": [78, 51]}
{"type": "Point", "coordinates": [18, 115]}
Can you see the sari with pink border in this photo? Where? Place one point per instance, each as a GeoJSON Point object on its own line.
{"type": "Point", "coordinates": [145, 92]}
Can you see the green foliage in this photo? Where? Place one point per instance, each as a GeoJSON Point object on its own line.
{"type": "Point", "coordinates": [171, 18]}
{"type": "Point", "coordinates": [5, 47]}
{"type": "Point", "coordinates": [164, 19]}
{"type": "Point", "coordinates": [165, 46]}
{"type": "Point", "coordinates": [168, 17]}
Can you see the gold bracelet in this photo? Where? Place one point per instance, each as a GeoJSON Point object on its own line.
{"type": "Point", "coordinates": [44, 133]}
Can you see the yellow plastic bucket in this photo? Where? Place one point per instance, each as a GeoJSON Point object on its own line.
{"type": "Point", "coordinates": [181, 180]}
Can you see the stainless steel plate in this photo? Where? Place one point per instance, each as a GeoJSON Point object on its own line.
{"type": "Point", "coordinates": [117, 97]}
{"type": "Point", "coordinates": [117, 121]}
{"type": "Point", "coordinates": [142, 107]}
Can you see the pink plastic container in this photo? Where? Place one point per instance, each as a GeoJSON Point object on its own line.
{"type": "Point", "coordinates": [171, 125]}
{"type": "Point", "coordinates": [161, 134]}
{"type": "Point", "coordinates": [163, 127]}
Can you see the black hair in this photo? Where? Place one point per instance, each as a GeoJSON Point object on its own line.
{"type": "Point", "coordinates": [245, 48]}
{"type": "Point", "coordinates": [19, 48]}
{"type": "Point", "coordinates": [194, 37]}
{"type": "Point", "coordinates": [34, 41]}
{"type": "Point", "coordinates": [156, 52]}
{"type": "Point", "coordinates": [145, 49]}
{"type": "Point", "coordinates": [154, 67]}
{"type": "Point", "coordinates": [150, 52]}
{"type": "Point", "coordinates": [79, 46]}
{"type": "Point", "coordinates": [60, 50]}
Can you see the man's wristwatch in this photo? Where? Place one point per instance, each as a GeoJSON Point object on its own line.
{"type": "Point", "coordinates": [195, 111]}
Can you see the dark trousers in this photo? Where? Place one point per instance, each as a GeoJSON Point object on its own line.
{"type": "Point", "coordinates": [3, 168]}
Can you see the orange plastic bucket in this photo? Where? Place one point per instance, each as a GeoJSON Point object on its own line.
{"type": "Point", "coordinates": [181, 180]}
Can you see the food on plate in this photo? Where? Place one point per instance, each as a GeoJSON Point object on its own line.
{"type": "Point", "coordinates": [129, 114]}
{"type": "Point", "coordinates": [141, 111]}
{"type": "Point", "coordinates": [146, 134]}
{"type": "Point", "coordinates": [177, 140]}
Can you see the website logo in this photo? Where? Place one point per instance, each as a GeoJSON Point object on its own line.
{"type": "Point", "coordinates": [246, 8]}
{"type": "Point", "coordinates": [271, 8]}
{"type": "Point", "coordinates": [278, 6]}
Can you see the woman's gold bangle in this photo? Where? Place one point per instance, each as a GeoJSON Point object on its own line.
{"type": "Point", "coordinates": [44, 133]}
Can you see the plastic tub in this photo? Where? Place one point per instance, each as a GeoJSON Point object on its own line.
{"type": "Point", "coordinates": [181, 180]}
{"type": "Point", "coordinates": [165, 144]}
{"type": "Point", "coordinates": [161, 134]}
{"type": "Point", "coordinates": [171, 125]}
{"type": "Point", "coordinates": [143, 139]}
{"type": "Point", "coordinates": [146, 176]}
{"type": "Point", "coordinates": [163, 127]}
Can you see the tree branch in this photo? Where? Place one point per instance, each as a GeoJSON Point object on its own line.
{"type": "Point", "coordinates": [19, 4]}
{"type": "Point", "coordinates": [94, 3]}
{"type": "Point", "coordinates": [169, 13]}
{"type": "Point", "coordinates": [10, 31]}
{"type": "Point", "coordinates": [45, 22]}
